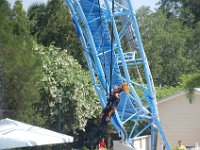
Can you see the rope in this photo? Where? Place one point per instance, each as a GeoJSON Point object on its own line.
{"type": "Point", "coordinates": [102, 39]}
{"type": "Point", "coordinates": [111, 54]}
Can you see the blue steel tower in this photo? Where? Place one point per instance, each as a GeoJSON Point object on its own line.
{"type": "Point", "coordinates": [109, 34]}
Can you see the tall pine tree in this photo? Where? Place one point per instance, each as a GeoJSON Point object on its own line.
{"type": "Point", "coordinates": [20, 68]}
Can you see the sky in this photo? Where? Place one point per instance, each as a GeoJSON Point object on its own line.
{"type": "Point", "coordinates": [137, 3]}
{"type": "Point", "coordinates": [150, 3]}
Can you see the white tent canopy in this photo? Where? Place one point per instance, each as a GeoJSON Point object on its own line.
{"type": "Point", "coordinates": [15, 134]}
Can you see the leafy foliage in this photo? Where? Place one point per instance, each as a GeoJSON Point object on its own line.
{"type": "Point", "coordinates": [192, 51]}
{"type": "Point", "coordinates": [63, 75]}
{"type": "Point", "coordinates": [190, 82]}
{"type": "Point", "coordinates": [167, 91]}
{"type": "Point", "coordinates": [186, 9]}
{"type": "Point", "coordinates": [165, 44]}
{"type": "Point", "coordinates": [20, 68]}
{"type": "Point", "coordinates": [187, 12]}
{"type": "Point", "coordinates": [52, 24]}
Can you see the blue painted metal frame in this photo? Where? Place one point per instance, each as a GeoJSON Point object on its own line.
{"type": "Point", "coordinates": [95, 38]}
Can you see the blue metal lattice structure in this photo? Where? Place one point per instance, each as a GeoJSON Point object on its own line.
{"type": "Point", "coordinates": [109, 34]}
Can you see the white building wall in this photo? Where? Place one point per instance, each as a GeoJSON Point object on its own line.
{"type": "Point", "coordinates": [142, 143]}
{"type": "Point", "coordinates": [118, 145]}
{"type": "Point", "coordinates": [180, 119]}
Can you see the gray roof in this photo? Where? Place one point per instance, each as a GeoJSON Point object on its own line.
{"type": "Point", "coordinates": [197, 91]}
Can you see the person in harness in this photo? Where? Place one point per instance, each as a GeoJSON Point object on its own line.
{"type": "Point", "coordinates": [113, 101]}
{"type": "Point", "coordinates": [110, 108]}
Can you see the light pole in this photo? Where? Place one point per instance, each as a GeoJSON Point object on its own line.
{"type": "Point", "coordinates": [59, 108]}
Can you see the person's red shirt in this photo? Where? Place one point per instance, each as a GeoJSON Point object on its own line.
{"type": "Point", "coordinates": [102, 144]}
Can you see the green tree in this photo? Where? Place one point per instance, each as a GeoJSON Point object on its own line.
{"type": "Point", "coordinates": [188, 10]}
{"type": "Point", "coordinates": [5, 22]}
{"type": "Point", "coordinates": [190, 82]}
{"type": "Point", "coordinates": [5, 30]}
{"type": "Point", "coordinates": [21, 24]}
{"type": "Point", "coordinates": [192, 51]}
{"type": "Point", "coordinates": [63, 75]}
{"type": "Point", "coordinates": [52, 24]}
{"type": "Point", "coordinates": [149, 27]}
{"type": "Point", "coordinates": [20, 67]}
{"type": "Point", "coordinates": [164, 41]}
{"type": "Point", "coordinates": [37, 17]}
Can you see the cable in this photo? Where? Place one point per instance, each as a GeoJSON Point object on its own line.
{"type": "Point", "coordinates": [102, 39]}
{"type": "Point", "coordinates": [112, 46]}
